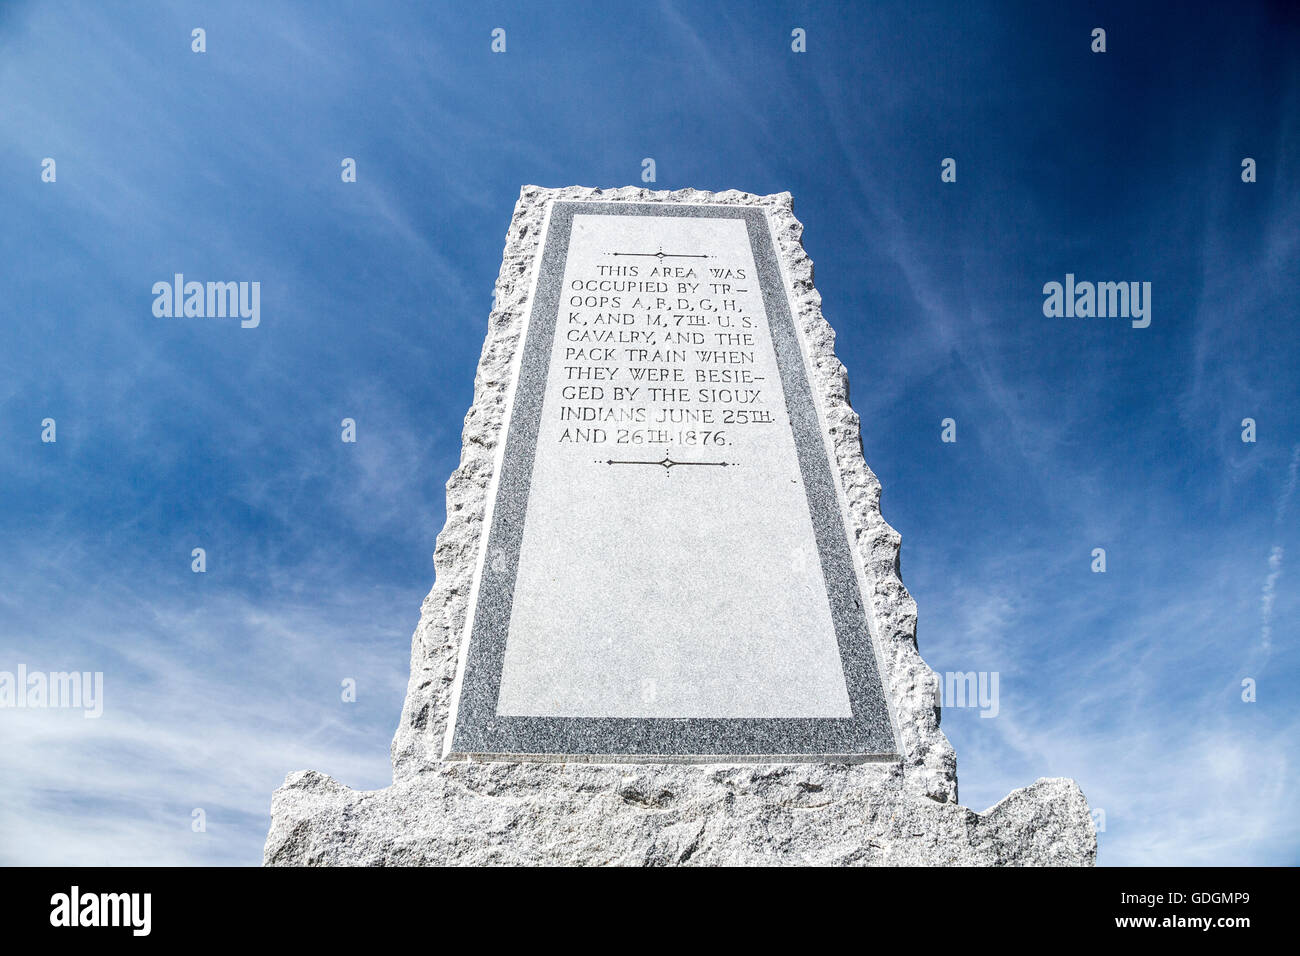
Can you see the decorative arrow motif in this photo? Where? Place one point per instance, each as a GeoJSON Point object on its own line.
{"type": "Point", "coordinates": [663, 255]}
{"type": "Point", "coordinates": [668, 464]}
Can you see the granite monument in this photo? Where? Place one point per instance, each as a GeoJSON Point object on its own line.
{"type": "Point", "coordinates": [667, 623]}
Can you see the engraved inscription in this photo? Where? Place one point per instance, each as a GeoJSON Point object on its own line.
{"type": "Point", "coordinates": [697, 596]}
{"type": "Point", "coordinates": [666, 571]}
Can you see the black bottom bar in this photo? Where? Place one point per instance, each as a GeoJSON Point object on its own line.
{"type": "Point", "coordinates": [210, 906]}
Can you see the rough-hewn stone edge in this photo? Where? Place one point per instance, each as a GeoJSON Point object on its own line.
{"type": "Point", "coordinates": [928, 758]}
{"type": "Point", "coordinates": [1047, 823]}
{"type": "Point", "coordinates": [498, 814]}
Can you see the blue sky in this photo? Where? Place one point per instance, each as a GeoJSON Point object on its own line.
{"type": "Point", "coordinates": [1073, 433]}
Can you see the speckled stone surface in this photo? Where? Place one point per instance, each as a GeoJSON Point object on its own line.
{"type": "Point", "coordinates": [581, 814]}
{"type": "Point", "coordinates": [436, 812]}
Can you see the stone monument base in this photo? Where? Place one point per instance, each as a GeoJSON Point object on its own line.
{"type": "Point", "coordinates": [467, 813]}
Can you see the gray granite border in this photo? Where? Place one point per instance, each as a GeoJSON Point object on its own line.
{"type": "Point", "coordinates": [482, 733]}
